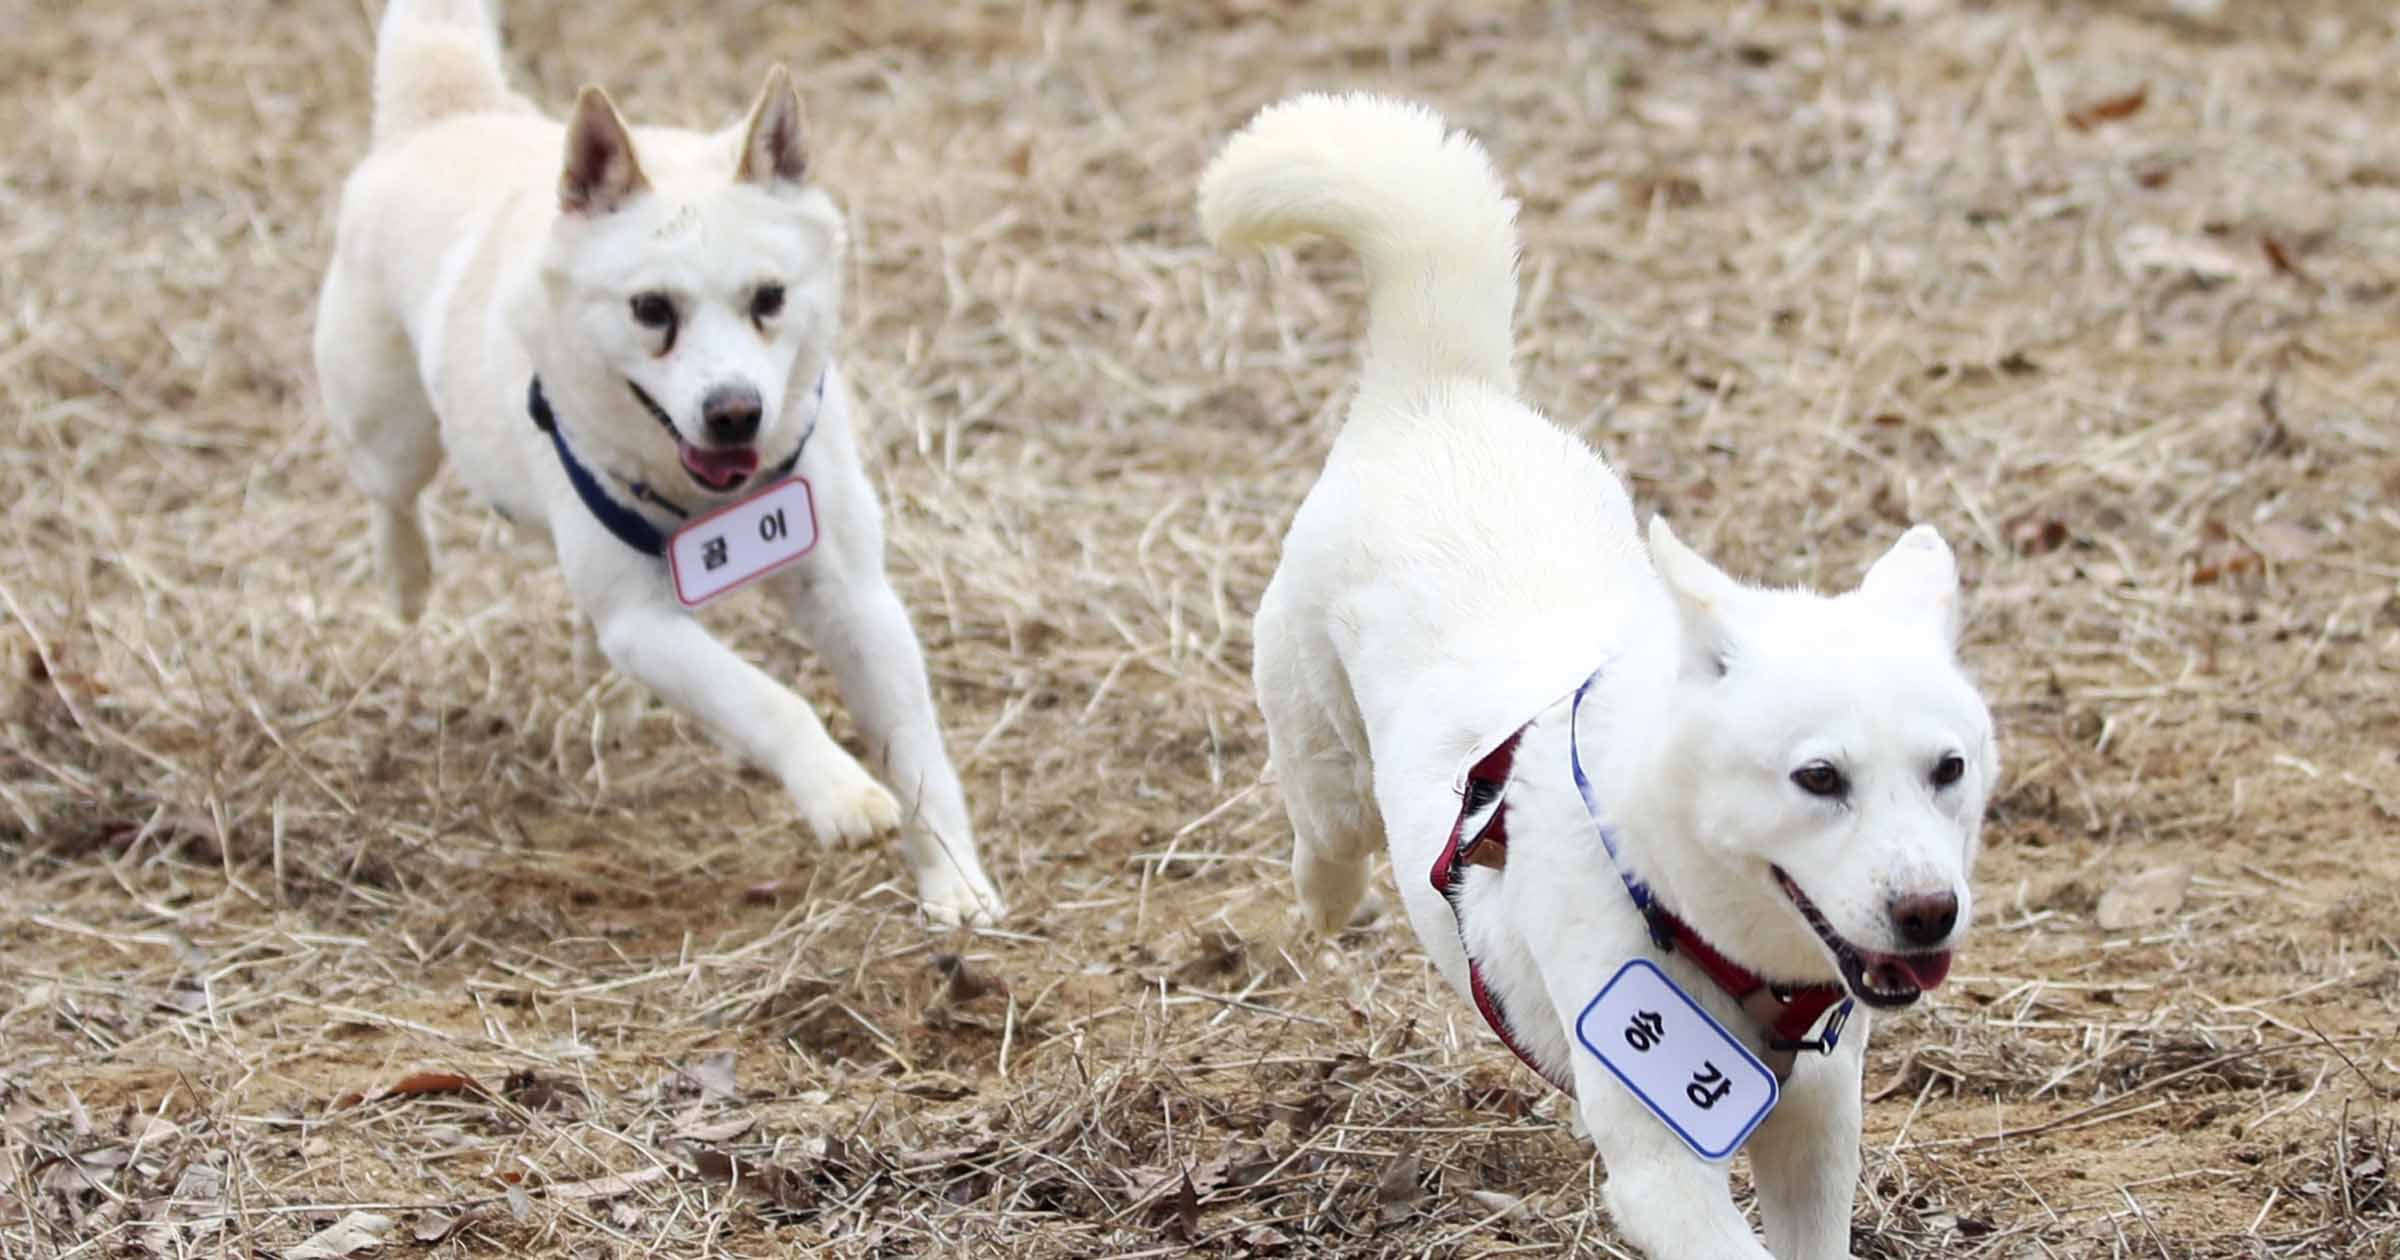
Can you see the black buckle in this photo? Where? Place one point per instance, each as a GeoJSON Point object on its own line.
{"type": "Point", "coordinates": [1661, 935]}
{"type": "Point", "coordinates": [1824, 1041]}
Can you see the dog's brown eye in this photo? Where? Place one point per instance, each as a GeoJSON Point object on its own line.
{"type": "Point", "coordinates": [1950, 769]}
{"type": "Point", "coordinates": [653, 310]}
{"type": "Point", "coordinates": [1819, 778]}
{"type": "Point", "coordinates": [767, 303]}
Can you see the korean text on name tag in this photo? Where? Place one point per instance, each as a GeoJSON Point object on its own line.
{"type": "Point", "coordinates": [750, 539]}
{"type": "Point", "coordinates": [1693, 1075]}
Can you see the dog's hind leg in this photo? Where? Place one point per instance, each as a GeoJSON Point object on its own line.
{"type": "Point", "coordinates": [1335, 831]}
{"type": "Point", "coordinates": [1327, 786]}
{"type": "Point", "coordinates": [367, 378]}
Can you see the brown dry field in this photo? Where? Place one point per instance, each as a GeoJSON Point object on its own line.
{"type": "Point", "coordinates": [306, 913]}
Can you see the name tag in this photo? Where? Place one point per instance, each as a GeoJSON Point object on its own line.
{"type": "Point", "coordinates": [1691, 1073]}
{"type": "Point", "coordinates": [749, 539]}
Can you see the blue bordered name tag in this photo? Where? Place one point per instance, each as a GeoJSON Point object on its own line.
{"type": "Point", "coordinates": [1697, 1078]}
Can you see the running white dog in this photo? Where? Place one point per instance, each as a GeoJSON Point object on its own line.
{"type": "Point", "coordinates": [612, 333]}
{"type": "Point", "coordinates": [1467, 652]}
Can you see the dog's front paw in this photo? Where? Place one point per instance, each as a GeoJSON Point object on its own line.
{"type": "Point", "coordinates": [849, 808]}
{"type": "Point", "coordinates": [951, 897]}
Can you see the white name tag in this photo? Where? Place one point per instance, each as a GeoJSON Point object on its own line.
{"type": "Point", "coordinates": [1679, 1061]}
{"type": "Point", "coordinates": [747, 540]}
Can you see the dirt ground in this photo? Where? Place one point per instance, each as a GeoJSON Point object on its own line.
{"type": "Point", "coordinates": [412, 938]}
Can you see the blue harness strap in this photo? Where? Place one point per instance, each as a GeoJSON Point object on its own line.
{"type": "Point", "coordinates": [629, 526]}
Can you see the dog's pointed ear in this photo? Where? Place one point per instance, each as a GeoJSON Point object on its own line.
{"type": "Point", "coordinates": [772, 152]}
{"type": "Point", "coordinates": [1917, 580]}
{"type": "Point", "coordinates": [601, 173]}
{"type": "Point", "coordinates": [1704, 599]}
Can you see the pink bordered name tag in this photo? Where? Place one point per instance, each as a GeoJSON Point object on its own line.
{"type": "Point", "coordinates": [742, 542]}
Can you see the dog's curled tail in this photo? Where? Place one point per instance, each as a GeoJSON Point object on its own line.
{"type": "Point", "coordinates": [1419, 203]}
{"type": "Point", "coordinates": [433, 59]}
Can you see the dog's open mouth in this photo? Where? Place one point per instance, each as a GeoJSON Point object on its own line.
{"type": "Point", "coordinates": [716, 468]}
{"type": "Point", "coordinates": [1879, 980]}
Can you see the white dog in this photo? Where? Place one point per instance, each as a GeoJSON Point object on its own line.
{"type": "Point", "coordinates": [614, 334]}
{"type": "Point", "coordinates": [1467, 653]}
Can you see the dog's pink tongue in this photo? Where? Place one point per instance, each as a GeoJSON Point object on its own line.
{"type": "Point", "coordinates": [721, 468]}
{"type": "Point", "coordinates": [1894, 973]}
{"type": "Point", "coordinates": [1929, 970]}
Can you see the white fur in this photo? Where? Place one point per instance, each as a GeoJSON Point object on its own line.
{"type": "Point", "coordinates": [480, 242]}
{"type": "Point", "coordinates": [1461, 566]}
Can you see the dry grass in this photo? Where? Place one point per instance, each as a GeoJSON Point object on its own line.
{"type": "Point", "coordinates": [1806, 272]}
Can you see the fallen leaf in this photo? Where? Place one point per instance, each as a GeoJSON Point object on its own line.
{"type": "Point", "coordinates": [1247, 1167]}
{"type": "Point", "coordinates": [1210, 1176]}
{"type": "Point", "coordinates": [2221, 555]}
{"type": "Point", "coordinates": [1305, 1114]}
{"type": "Point", "coordinates": [1513, 1103]}
{"type": "Point", "coordinates": [1180, 1214]}
{"type": "Point", "coordinates": [146, 1130]}
{"type": "Point", "coordinates": [721, 1131]}
{"type": "Point", "coordinates": [1666, 114]}
{"type": "Point", "coordinates": [74, 1175]}
{"type": "Point", "coordinates": [2281, 259]}
{"type": "Point", "coordinates": [935, 1156]}
{"type": "Point", "coordinates": [200, 1185]}
{"type": "Point", "coordinates": [2283, 542]}
{"type": "Point", "coordinates": [939, 1086]}
{"type": "Point", "coordinates": [359, 1231]}
{"type": "Point", "coordinates": [2036, 534]}
{"type": "Point", "coordinates": [711, 1077]}
{"type": "Point", "coordinates": [777, 1185]}
{"type": "Point", "coordinates": [433, 1083]}
{"type": "Point", "coordinates": [1495, 1203]}
{"type": "Point", "coordinates": [1397, 1190]}
{"type": "Point", "coordinates": [1222, 952]}
{"type": "Point", "coordinates": [186, 999]}
{"type": "Point", "coordinates": [1670, 191]}
{"type": "Point", "coordinates": [966, 984]}
{"type": "Point", "coordinates": [438, 1227]}
{"type": "Point", "coordinates": [2149, 247]}
{"type": "Point", "coordinates": [534, 1092]}
{"type": "Point", "coordinates": [416, 1084]}
{"type": "Point", "coordinates": [2110, 109]}
{"type": "Point", "coordinates": [607, 1187]}
{"type": "Point", "coordinates": [2146, 898]}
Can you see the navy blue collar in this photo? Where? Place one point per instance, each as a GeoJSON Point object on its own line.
{"type": "Point", "coordinates": [631, 527]}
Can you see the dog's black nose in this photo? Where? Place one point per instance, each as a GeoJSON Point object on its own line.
{"type": "Point", "coordinates": [731, 413]}
{"type": "Point", "coordinates": [1925, 919]}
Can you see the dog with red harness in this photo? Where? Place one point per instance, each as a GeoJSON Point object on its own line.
{"type": "Point", "coordinates": [1674, 835]}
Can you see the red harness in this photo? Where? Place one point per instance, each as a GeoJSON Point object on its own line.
{"type": "Point", "coordinates": [1786, 1012]}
